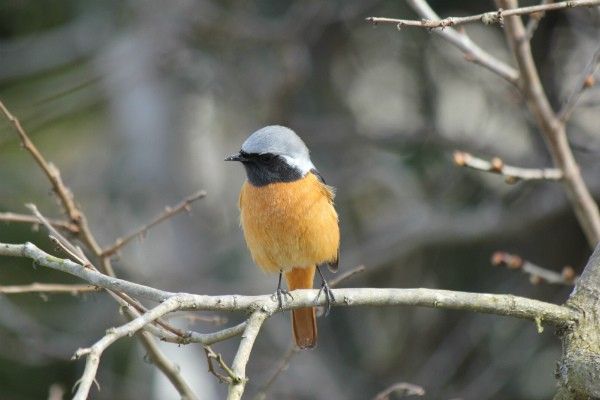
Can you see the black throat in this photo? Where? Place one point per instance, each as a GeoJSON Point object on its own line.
{"type": "Point", "coordinates": [263, 169]}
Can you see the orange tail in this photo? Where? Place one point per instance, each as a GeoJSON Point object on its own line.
{"type": "Point", "coordinates": [304, 321]}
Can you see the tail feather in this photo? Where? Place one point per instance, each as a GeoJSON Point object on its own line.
{"type": "Point", "coordinates": [304, 320]}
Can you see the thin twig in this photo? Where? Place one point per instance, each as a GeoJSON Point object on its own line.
{"type": "Point", "coordinates": [586, 81]}
{"type": "Point", "coordinates": [282, 366]}
{"type": "Point", "coordinates": [212, 355]}
{"type": "Point", "coordinates": [346, 275]}
{"type": "Point", "coordinates": [28, 219]}
{"type": "Point", "coordinates": [166, 214]}
{"type": "Point", "coordinates": [52, 173]}
{"type": "Point", "coordinates": [551, 127]}
{"type": "Point", "coordinates": [470, 49]}
{"type": "Point", "coordinates": [401, 389]}
{"type": "Point", "coordinates": [54, 288]}
{"type": "Point", "coordinates": [512, 174]}
{"type": "Point", "coordinates": [488, 18]}
{"type": "Point", "coordinates": [536, 273]}
{"type": "Point", "coordinates": [59, 239]}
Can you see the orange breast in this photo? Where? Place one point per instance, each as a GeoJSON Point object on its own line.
{"type": "Point", "coordinates": [290, 224]}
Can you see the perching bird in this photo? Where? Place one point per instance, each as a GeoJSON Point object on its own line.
{"type": "Point", "coordinates": [288, 218]}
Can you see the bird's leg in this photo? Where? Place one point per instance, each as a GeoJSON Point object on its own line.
{"type": "Point", "coordinates": [328, 293]}
{"type": "Point", "coordinates": [280, 293]}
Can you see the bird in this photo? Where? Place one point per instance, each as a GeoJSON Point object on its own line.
{"type": "Point", "coordinates": [288, 219]}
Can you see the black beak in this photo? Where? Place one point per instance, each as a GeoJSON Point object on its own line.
{"type": "Point", "coordinates": [235, 157]}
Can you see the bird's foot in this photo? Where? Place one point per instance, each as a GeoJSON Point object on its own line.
{"type": "Point", "coordinates": [329, 297]}
{"type": "Point", "coordinates": [280, 295]}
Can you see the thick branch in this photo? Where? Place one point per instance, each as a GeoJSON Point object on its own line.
{"type": "Point", "coordinates": [506, 305]}
{"type": "Point", "coordinates": [236, 389]}
{"type": "Point", "coordinates": [551, 127]}
{"type": "Point", "coordinates": [488, 18]}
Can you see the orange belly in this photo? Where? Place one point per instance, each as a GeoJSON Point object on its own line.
{"type": "Point", "coordinates": [290, 224]}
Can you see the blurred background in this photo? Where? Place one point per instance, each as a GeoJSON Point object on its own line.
{"type": "Point", "coordinates": [138, 102]}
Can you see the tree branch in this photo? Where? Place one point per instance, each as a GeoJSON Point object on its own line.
{"type": "Point", "coordinates": [536, 273]}
{"type": "Point", "coordinates": [48, 288]}
{"type": "Point", "coordinates": [52, 173]}
{"type": "Point", "coordinates": [264, 306]}
{"type": "Point", "coordinates": [166, 214]}
{"type": "Point", "coordinates": [506, 305]}
{"type": "Point", "coordinates": [512, 174]}
{"type": "Point", "coordinates": [488, 18]}
{"type": "Point", "coordinates": [401, 389]}
{"type": "Point", "coordinates": [28, 219]}
{"type": "Point", "coordinates": [472, 51]}
{"type": "Point", "coordinates": [553, 130]}
{"type": "Point", "coordinates": [236, 389]}
{"type": "Point", "coordinates": [586, 81]}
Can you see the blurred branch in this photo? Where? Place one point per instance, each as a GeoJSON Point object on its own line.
{"type": "Point", "coordinates": [497, 166]}
{"type": "Point", "coordinates": [534, 20]}
{"type": "Point", "coordinates": [282, 366]}
{"type": "Point", "coordinates": [585, 82]}
{"type": "Point", "coordinates": [170, 369]}
{"type": "Point", "coordinates": [472, 51]}
{"type": "Point", "coordinates": [536, 273]}
{"type": "Point", "coordinates": [488, 18]}
{"type": "Point", "coordinates": [551, 127]}
{"type": "Point", "coordinates": [401, 389]}
{"type": "Point", "coordinates": [346, 275]}
{"type": "Point", "coordinates": [28, 219]}
{"type": "Point", "coordinates": [48, 288]}
{"type": "Point", "coordinates": [141, 232]}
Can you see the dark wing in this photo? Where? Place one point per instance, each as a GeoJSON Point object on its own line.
{"type": "Point", "coordinates": [332, 265]}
